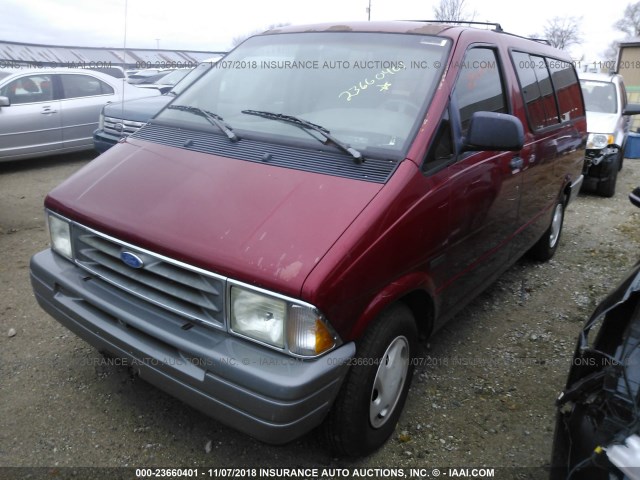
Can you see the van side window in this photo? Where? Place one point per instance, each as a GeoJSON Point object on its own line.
{"type": "Point", "coordinates": [535, 83]}
{"type": "Point", "coordinates": [479, 86]}
{"type": "Point", "coordinates": [565, 83]}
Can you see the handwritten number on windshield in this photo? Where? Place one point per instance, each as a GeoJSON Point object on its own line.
{"type": "Point", "coordinates": [363, 85]}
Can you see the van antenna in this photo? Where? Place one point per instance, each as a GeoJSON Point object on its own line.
{"type": "Point", "coordinates": [124, 58]}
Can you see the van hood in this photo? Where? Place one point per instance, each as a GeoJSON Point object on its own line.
{"type": "Point", "coordinates": [261, 224]}
{"type": "Point", "coordinates": [598, 122]}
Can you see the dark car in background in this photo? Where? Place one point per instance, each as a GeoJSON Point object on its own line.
{"type": "Point", "coordinates": [118, 120]}
{"type": "Point", "coordinates": [165, 82]}
{"type": "Point", "coordinates": [146, 75]}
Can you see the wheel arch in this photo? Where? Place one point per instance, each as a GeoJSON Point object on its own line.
{"type": "Point", "coordinates": [415, 291]}
{"type": "Point", "coordinates": [422, 307]}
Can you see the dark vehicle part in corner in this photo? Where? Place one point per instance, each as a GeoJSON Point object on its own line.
{"type": "Point", "coordinates": [597, 434]}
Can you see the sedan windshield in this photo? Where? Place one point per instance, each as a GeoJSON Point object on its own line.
{"type": "Point", "coordinates": [368, 90]}
{"type": "Point", "coordinates": [599, 96]}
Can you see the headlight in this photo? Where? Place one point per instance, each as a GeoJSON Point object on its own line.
{"type": "Point", "coordinates": [295, 327]}
{"type": "Point", "coordinates": [258, 316]}
{"type": "Point", "coordinates": [60, 233]}
{"type": "Point", "coordinates": [599, 141]}
{"type": "Point", "coordinates": [101, 121]}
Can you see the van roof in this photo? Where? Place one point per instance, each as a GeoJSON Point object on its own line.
{"type": "Point", "coordinates": [424, 27]}
{"type": "Point", "coordinates": [398, 26]}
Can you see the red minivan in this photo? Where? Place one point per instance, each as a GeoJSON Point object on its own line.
{"type": "Point", "coordinates": [270, 246]}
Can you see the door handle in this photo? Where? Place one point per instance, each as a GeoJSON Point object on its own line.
{"type": "Point", "coordinates": [47, 111]}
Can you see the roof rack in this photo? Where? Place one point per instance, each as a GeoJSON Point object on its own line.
{"type": "Point", "coordinates": [539, 40]}
{"type": "Point", "coordinates": [497, 27]}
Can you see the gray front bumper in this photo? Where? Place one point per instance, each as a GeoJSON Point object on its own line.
{"type": "Point", "coordinates": [268, 395]}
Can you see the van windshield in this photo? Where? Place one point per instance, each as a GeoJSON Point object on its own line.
{"type": "Point", "coordinates": [369, 90]}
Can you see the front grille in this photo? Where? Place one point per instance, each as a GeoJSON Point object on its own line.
{"type": "Point", "coordinates": [120, 127]}
{"type": "Point", "coordinates": [182, 289]}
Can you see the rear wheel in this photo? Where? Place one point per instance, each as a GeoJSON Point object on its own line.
{"type": "Point", "coordinates": [545, 248]}
{"type": "Point", "coordinates": [373, 395]}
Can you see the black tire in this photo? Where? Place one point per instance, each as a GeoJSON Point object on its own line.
{"type": "Point", "coordinates": [362, 418]}
{"type": "Point", "coordinates": [608, 187]}
{"type": "Point", "coordinates": [546, 246]}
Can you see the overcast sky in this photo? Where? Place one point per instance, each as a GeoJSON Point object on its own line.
{"type": "Point", "coordinates": [211, 25]}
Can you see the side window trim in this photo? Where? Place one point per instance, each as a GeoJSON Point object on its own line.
{"type": "Point", "coordinates": [556, 105]}
{"type": "Point", "coordinates": [456, 125]}
{"type": "Point", "coordinates": [450, 121]}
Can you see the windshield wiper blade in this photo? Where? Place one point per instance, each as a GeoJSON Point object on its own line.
{"type": "Point", "coordinates": [357, 156]}
{"type": "Point", "coordinates": [213, 118]}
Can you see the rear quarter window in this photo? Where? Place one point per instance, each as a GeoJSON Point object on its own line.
{"type": "Point", "coordinates": [550, 89]}
{"type": "Point", "coordinates": [537, 90]}
{"type": "Point", "coordinates": [565, 83]}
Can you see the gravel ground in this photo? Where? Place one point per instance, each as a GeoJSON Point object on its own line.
{"type": "Point", "coordinates": [483, 394]}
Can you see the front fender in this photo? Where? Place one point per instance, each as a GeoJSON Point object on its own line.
{"type": "Point", "coordinates": [417, 283]}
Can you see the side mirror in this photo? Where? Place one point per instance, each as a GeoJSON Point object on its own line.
{"type": "Point", "coordinates": [631, 109]}
{"type": "Point", "coordinates": [634, 196]}
{"type": "Point", "coordinates": [4, 102]}
{"type": "Point", "coordinates": [494, 131]}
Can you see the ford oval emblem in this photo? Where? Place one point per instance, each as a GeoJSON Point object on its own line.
{"type": "Point", "coordinates": [131, 260]}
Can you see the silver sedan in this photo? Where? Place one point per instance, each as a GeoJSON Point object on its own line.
{"type": "Point", "coordinates": [55, 110]}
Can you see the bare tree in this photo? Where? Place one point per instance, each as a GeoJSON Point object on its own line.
{"type": "Point", "coordinates": [235, 41]}
{"type": "Point", "coordinates": [562, 32]}
{"type": "Point", "coordinates": [630, 22]}
{"type": "Point", "coordinates": [611, 53]}
{"type": "Point", "coordinates": [453, 11]}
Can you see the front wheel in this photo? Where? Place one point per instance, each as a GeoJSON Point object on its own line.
{"type": "Point", "coordinates": [372, 397]}
{"type": "Point", "coordinates": [546, 246]}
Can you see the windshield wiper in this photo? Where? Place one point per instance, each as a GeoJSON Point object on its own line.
{"type": "Point", "coordinates": [213, 118]}
{"type": "Point", "coordinates": [357, 156]}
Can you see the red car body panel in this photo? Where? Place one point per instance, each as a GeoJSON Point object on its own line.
{"type": "Point", "coordinates": [228, 216]}
{"type": "Point", "coordinates": [348, 247]}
